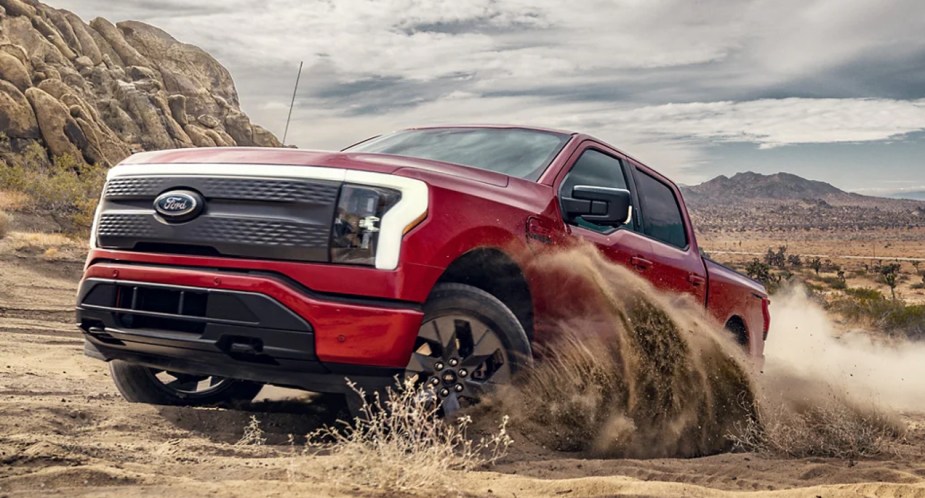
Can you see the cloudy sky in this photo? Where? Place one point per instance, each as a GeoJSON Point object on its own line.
{"type": "Point", "coordinates": [828, 89]}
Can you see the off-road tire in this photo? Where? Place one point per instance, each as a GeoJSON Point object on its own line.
{"type": "Point", "coordinates": [138, 384]}
{"type": "Point", "coordinates": [454, 315]}
{"type": "Point", "coordinates": [466, 298]}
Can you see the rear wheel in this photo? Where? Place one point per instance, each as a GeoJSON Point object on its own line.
{"type": "Point", "coordinates": [468, 344]}
{"type": "Point", "coordinates": [139, 384]}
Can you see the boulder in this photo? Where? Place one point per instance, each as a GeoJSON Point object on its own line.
{"type": "Point", "coordinates": [114, 37]}
{"type": "Point", "coordinates": [173, 128]}
{"type": "Point", "coordinates": [208, 120]}
{"type": "Point", "coordinates": [263, 138]}
{"type": "Point", "coordinates": [18, 52]}
{"type": "Point", "coordinates": [85, 40]}
{"type": "Point", "coordinates": [109, 56]}
{"type": "Point", "coordinates": [145, 113]}
{"type": "Point", "coordinates": [142, 73]}
{"type": "Point", "coordinates": [13, 70]}
{"type": "Point", "coordinates": [59, 130]}
{"type": "Point", "coordinates": [119, 121]}
{"type": "Point", "coordinates": [83, 62]}
{"type": "Point", "coordinates": [55, 87]}
{"type": "Point", "coordinates": [101, 91]}
{"type": "Point", "coordinates": [17, 8]}
{"type": "Point", "coordinates": [177, 105]}
{"type": "Point", "coordinates": [20, 31]}
{"type": "Point", "coordinates": [17, 119]}
{"type": "Point", "coordinates": [52, 35]}
{"type": "Point", "coordinates": [198, 136]}
{"type": "Point", "coordinates": [217, 137]}
{"type": "Point", "coordinates": [240, 128]}
{"type": "Point", "coordinates": [190, 68]}
{"type": "Point", "coordinates": [64, 29]}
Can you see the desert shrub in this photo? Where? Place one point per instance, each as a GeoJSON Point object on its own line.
{"type": "Point", "coordinates": [776, 259]}
{"type": "Point", "coordinates": [66, 189]}
{"type": "Point", "coordinates": [399, 444]}
{"type": "Point", "coordinates": [831, 429]}
{"type": "Point", "coordinates": [864, 293]}
{"type": "Point", "coordinates": [816, 265]}
{"type": "Point", "coordinates": [253, 434]}
{"type": "Point", "coordinates": [763, 273]}
{"type": "Point", "coordinates": [836, 283]}
{"type": "Point", "coordinates": [4, 224]}
{"type": "Point", "coordinates": [890, 315]}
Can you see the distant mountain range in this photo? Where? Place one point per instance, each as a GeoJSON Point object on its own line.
{"type": "Point", "coordinates": [784, 201]}
{"type": "Point", "coordinates": [919, 196]}
{"type": "Point", "coordinates": [755, 188]}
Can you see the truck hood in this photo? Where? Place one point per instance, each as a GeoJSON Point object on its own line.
{"type": "Point", "coordinates": [379, 163]}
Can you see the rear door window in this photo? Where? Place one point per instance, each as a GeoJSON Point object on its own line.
{"type": "Point", "coordinates": [661, 212]}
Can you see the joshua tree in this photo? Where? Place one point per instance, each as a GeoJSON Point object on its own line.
{"type": "Point", "coordinates": [890, 275]}
{"type": "Point", "coordinates": [759, 271]}
{"type": "Point", "coordinates": [776, 259]}
{"type": "Point", "coordinates": [816, 264]}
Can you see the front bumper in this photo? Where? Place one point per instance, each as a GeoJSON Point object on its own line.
{"type": "Point", "coordinates": [249, 326]}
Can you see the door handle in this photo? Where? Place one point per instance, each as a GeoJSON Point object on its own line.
{"type": "Point", "coordinates": [696, 280]}
{"type": "Point", "coordinates": [640, 263]}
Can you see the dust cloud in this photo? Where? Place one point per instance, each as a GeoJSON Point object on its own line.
{"type": "Point", "coordinates": [625, 371]}
{"type": "Point", "coordinates": [805, 344]}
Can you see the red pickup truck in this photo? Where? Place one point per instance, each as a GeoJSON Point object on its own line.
{"type": "Point", "coordinates": [215, 271]}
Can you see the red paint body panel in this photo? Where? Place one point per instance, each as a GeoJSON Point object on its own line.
{"type": "Point", "coordinates": [344, 333]}
{"type": "Point", "coordinates": [468, 209]}
{"type": "Point", "coordinates": [733, 295]}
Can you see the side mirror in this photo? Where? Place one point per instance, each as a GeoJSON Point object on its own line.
{"type": "Point", "coordinates": [599, 205]}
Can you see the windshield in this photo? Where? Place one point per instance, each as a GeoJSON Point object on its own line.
{"type": "Point", "coordinates": [513, 151]}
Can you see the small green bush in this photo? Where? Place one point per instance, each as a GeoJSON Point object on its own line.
{"type": "Point", "coordinates": [864, 294]}
{"type": "Point", "coordinates": [65, 188]}
{"type": "Point", "coordinates": [891, 315]}
{"type": "Point", "coordinates": [835, 282]}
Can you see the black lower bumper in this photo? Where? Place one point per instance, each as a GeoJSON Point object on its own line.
{"type": "Point", "coordinates": [232, 334]}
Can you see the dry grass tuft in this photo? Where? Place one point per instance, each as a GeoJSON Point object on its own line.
{"type": "Point", "coordinates": [253, 434]}
{"type": "Point", "coordinates": [830, 429]}
{"type": "Point", "coordinates": [399, 444]}
{"type": "Point", "coordinates": [48, 246]}
{"type": "Point", "coordinates": [11, 200]}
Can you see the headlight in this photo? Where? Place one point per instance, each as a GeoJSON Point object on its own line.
{"type": "Point", "coordinates": [355, 233]}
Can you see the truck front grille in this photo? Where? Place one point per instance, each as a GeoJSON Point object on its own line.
{"type": "Point", "coordinates": [285, 219]}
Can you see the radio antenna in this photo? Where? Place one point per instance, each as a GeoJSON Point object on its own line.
{"type": "Point", "coordinates": [292, 104]}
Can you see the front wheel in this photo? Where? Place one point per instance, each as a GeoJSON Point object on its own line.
{"type": "Point", "coordinates": [469, 343]}
{"type": "Point", "coordinates": [139, 384]}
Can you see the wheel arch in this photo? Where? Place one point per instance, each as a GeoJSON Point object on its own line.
{"type": "Point", "coordinates": [736, 325]}
{"type": "Point", "coordinates": [497, 273]}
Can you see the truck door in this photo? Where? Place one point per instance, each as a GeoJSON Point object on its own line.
{"type": "Point", "coordinates": [676, 261]}
{"type": "Point", "coordinates": [596, 166]}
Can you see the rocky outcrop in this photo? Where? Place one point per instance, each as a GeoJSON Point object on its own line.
{"type": "Point", "coordinates": [100, 91]}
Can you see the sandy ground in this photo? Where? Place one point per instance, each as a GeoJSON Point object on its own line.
{"type": "Point", "coordinates": [64, 431]}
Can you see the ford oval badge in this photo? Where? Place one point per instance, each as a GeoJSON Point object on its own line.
{"type": "Point", "coordinates": [179, 205]}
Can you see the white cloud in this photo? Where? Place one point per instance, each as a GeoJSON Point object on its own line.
{"type": "Point", "coordinates": [669, 136]}
{"type": "Point", "coordinates": [665, 79]}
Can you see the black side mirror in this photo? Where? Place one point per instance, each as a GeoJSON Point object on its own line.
{"type": "Point", "coordinates": [599, 205]}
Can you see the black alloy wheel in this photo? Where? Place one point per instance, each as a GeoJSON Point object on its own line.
{"type": "Point", "coordinates": [468, 344]}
